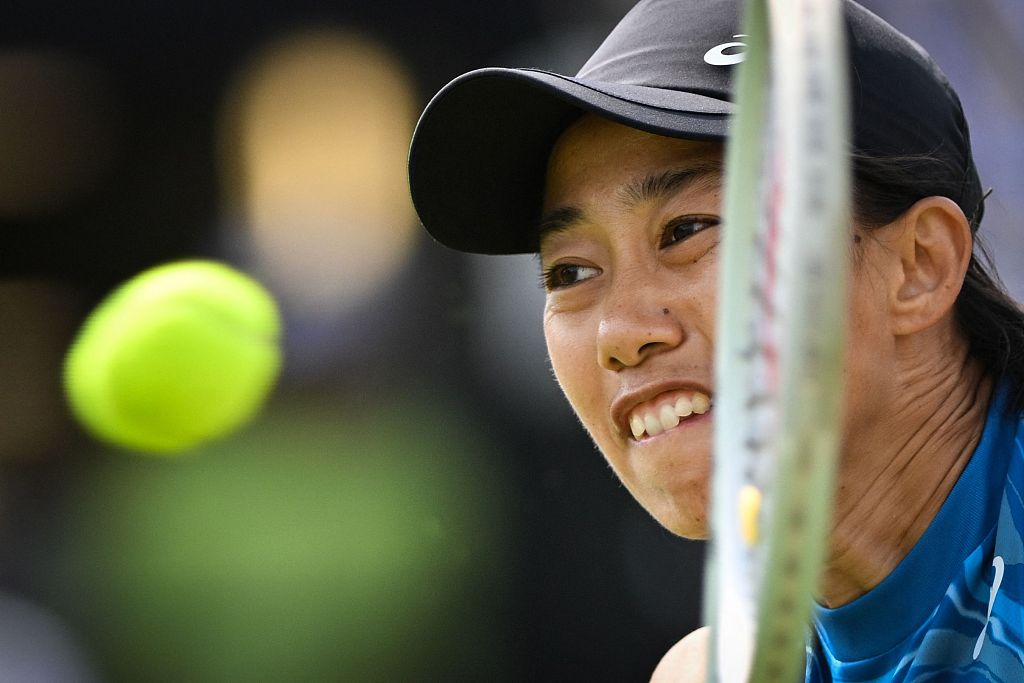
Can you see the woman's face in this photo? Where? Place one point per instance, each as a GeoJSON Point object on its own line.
{"type": "Point", "coordinates": [629, 249]}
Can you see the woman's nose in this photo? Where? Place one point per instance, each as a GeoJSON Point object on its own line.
{"type": "Point", "coordinates": [637, 322]}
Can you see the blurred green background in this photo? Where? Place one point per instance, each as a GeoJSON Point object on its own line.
{"type": "Point", "coordinates": [330, 544]}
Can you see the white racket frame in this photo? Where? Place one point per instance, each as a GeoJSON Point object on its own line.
{"type": "Point", "coordinates": [782, 307]}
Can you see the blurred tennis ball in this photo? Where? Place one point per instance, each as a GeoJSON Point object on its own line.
{"type": "Point", "coordinates": [178, 355]}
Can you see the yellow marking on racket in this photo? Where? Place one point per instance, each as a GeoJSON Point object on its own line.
{"type": "Point", "coordinates": [750, 500]}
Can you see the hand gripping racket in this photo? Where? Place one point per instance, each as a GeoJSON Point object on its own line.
{"type": "Point", "coordinates": [780, 330]}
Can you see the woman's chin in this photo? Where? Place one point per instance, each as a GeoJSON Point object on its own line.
{"type": "Point", "coordinates": [682, 519]}
{"type": "Point", "coordinates": [692, 530]}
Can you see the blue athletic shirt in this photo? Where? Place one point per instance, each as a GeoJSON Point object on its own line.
{"type": "Point", "coordinates": [953, 609]}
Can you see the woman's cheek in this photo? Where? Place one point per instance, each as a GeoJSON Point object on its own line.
{"type": "Point", "coordinates": [574, 365]}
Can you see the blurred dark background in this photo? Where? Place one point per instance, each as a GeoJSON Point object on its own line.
{"type": "Point", "coordinates": [415, 503]}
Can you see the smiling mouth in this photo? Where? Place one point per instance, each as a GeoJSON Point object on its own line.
{"type": "Point", "coordinates": [665, 413]}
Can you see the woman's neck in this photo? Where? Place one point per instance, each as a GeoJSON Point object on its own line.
{"type": "Point", "coordinates": [898, 473]}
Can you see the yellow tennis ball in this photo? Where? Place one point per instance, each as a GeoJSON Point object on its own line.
{"type": "Point", "coordinates": [178, 355]}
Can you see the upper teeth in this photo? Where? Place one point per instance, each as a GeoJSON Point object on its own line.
{"type": "Point", "coordinates": [662, 416]}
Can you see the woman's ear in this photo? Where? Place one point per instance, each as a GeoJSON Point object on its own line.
{"type": "Point", "coordinates": [935, 245]}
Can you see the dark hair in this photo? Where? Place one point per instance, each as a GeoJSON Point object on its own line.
{"type": "Point", "coordinates": [993, 323]}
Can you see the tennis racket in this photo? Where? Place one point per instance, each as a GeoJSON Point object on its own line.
{"type": "Point", "coordinates": [781, 320]}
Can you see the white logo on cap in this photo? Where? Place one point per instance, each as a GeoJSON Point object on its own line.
{"type": "Point", "coordinates": [717, 55]}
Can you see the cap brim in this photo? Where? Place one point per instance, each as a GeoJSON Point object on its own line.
{"type": "Point", "coordinates": [480, 150]}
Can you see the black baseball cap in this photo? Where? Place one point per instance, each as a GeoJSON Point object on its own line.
{"type": "Point", "coordinates": [479, 154]}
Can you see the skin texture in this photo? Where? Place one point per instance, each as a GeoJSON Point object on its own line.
{"type": "Point", "coordinates": [685, 662]}
{"type": "Point", "coordinates": [609, 336]}
{"type": "Point", "coordinates": [630, 315]}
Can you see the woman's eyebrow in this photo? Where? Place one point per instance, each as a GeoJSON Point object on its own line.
{"type": "Point", "coordinates": [558, 220]}
{"type": "Point", "coordinates": [666, 183]}
{"type": "Point", "coordinates": [637, 191]}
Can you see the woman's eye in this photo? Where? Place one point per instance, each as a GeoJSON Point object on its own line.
{"type": "Point", "coordinates": [687, 226]}
{"type": "Point", "coordinates": [566, 274]}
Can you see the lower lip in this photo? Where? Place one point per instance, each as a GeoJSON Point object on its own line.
{"type": "Point", "coordinates": [690, 422]}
